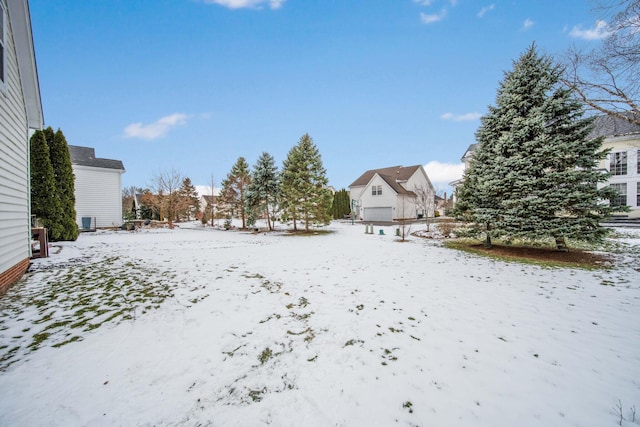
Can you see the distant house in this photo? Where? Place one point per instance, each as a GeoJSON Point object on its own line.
{"type": "Point", "coordinates": [98, 184]}
{"type": "Point", "coordinates": [20, 111]}
{"type": "Point", "coordinates": [209, 202]}
{"type": "Point", "coordinates": [623, 161]}
{"type": "Point", "coordinates": [392, 193]}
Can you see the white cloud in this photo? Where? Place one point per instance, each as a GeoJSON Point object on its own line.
{"type": "Point", "coordinates": [486, 9]}
{"type": "Point", "coordinates": [239, 4]}
{"type": "Point", "coordinates": [431, 18]}
{"type": "Point", "coordinates": [157, 129]}
{"type": "Point", "coordinates": [423, 2]}
{"type": "Point", "coordinates": [528, 23]}
{"type": "Point", "coordinates": [461, 117]}
{"type": "Point", "coordinates": [441, 174]}
{"type": "Point", "coordinates": [599, 31]}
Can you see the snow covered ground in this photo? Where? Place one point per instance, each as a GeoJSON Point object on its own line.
{"type": "Point", "coordinates": [206, 327]}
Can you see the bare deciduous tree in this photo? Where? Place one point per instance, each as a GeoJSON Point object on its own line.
{"type": "Point", "coordinates": [425, 201]}
{"type": "Point", "coordinates": [606, 77]}
{"type": "Point", "coordinates": [166, 185]}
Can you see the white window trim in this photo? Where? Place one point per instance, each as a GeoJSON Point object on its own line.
{"type": "Point", "coordinates": [3, 45]}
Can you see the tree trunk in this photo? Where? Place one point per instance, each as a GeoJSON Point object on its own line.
{"type": "Point", "coordinates": [487, 240]}
{"type": "Point", "coordinates": [561, 244]}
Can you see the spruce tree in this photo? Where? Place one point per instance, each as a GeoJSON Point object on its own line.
{"type": "Point", "coordinates": [44, 202]}
{"type": "Point", "coordinates": [303, 183]}
{"type": "Point", "coordinates": [535, 173]}
{"type": "Point", "coordinates": [65, 184]}
{"type": "Point", "coordinates": [189, 198]}
{"type": "Point", "coordinates": [262, 193]}
{"type": "Point", "coordinates": [234, 188]}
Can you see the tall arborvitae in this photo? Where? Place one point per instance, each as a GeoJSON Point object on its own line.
{"type": "Point", "coordinates": [535, 173]}
{"type": "Point", "coordinates": [65, 184]}
{"type": "Point", "coordinates": [303, 183]}
{"type": "Point", "coordinates": [234, 188]}
{"type": "Point", "coordinates": [45, 204]}
{"type": "Point", "coordinates": [261, 197]}
{"type": "Point", "coordinates": [341, 204]}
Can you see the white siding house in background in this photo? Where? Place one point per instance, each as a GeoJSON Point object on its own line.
{"type": "Point", "coordinates": [389, 194]}
{"type": "Point", "coordinates": [98, 185]}
{"type": "Point", "coordinates": [623, 161]}
{"type": "Point", "coordinates": [20, 110]}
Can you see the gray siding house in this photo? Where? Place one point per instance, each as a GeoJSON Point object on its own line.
{"type": "Point", "coordinates": [98, 185]}
{"type": "Point", "coordinates": [20, 111]}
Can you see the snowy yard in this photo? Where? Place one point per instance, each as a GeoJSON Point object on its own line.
{"type": "Point", "coordinates": [202, 327]}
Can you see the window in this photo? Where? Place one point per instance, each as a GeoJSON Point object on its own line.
{"type": "Point", "coordinates": [618, 163]}
{"type": "Point", "coordinates": [376, 190]}
{"type": "Point", "coordinates": [638, 194]}
{"type": "Point", "coordinates": [3, 81]}
{"type": "Point", "coordinates": [638, 163]}
{"type": "Point", "coordinates": [621, 198]}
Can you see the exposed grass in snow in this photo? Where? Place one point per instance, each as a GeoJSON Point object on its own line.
{"type": "Point", "coordinates": [76, 297]}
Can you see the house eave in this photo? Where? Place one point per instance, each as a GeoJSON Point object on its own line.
{"type": "Point", "coordinates": [20, 18]}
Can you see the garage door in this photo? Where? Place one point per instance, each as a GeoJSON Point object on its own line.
{"type": "Point", "coordinates": [378, 214]}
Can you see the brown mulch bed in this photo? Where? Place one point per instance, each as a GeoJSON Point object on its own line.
{"type": "Point", "coordinates": [573, 256]}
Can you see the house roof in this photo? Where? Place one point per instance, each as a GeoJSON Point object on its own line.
{"type": "Point", "coordinates": [609, 126]}
{"type": "Point", "coordinates": [20, 19]}
{"type": "Point", "coordinates": [86, 156]}
{"type": "Point", "coordinates": [469, 151]}
{"type": "Point", "coordinates": [395, 173]}
{"type": "Point", "coordinates": [395, 186]}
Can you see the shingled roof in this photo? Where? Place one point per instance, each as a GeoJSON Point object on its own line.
{"type": "Point", "coordinates": [394, 173]}
{"type": "Point", "coordinates": [609, 126]}
{"type": "Point", "coordinates": [86, 156]}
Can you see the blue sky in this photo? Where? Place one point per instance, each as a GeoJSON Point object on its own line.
{"type": "Point", "coordinates": [191, 85]}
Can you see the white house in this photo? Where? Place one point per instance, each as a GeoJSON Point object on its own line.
{"type": "Point", "coordinates": [98, 189]}
{"type": "Point", "coordinates": [20, 111]}
{"type": "Point", "coordinates": [393, 193]}
{"type": "Point", "coordinates": [623, 161]}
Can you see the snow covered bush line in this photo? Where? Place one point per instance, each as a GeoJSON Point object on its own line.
{"type": "Point", "coordinates": [61, 303]}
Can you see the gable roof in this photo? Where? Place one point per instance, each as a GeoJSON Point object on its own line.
{"type": "Point", "coordinates": [399, 189]}
{"type": "Point", "coordinates": [86, 156]}
{"type": "Point", "coordinates": [609, 126]}
{"type": "Point", "coordinates": [394, 173]}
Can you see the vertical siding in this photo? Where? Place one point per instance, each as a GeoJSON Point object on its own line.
{"type": "Point", "coordinates": [14, 165]}
{"type": "Point", "coordinates": [98, 195]}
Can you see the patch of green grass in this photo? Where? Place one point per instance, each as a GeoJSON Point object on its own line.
{"type": "Point", "coordinates": [265, 356]}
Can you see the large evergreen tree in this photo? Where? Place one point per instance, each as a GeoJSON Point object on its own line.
{"type": "Point", "coordinates": [44, 201]}
{"type": "Point", "coordinates": [535, 172]}
{"type": "Point", "coordinates": [234, 188]}
{"type": "Point", "coordinates": [261, 196]}
{"type": "Point", "coordinates": [65, 184]}
{"type": "Point", "coordinates": [303, 183]}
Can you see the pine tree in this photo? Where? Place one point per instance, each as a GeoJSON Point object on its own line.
{"type": "Point", "coordinates": [65, 184]}
{"type": "Point", "coordinates": [535, 173]}
{"type": "Point", "coordinates": [303, 183]}
{"type": "Point", "coordinates": [189, 199]}
{"type": "Point", "coordinates": [234, 188]}
{"type": "Point", "coordinates": [341, 204]}
{"type": "Point", "coordinates": [44, 203]}
{"type": "Point", "coordinates": [261, 196]}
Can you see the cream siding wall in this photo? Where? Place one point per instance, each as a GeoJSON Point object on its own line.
{"type": "Point", "coordinates": [630, 145]}
{"type": "Point", "coordinates": [14, 165]}
{"type": "Point", "coordinates": [98, 195]}
{"type": "Point", "coordinates": [420, 180]}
